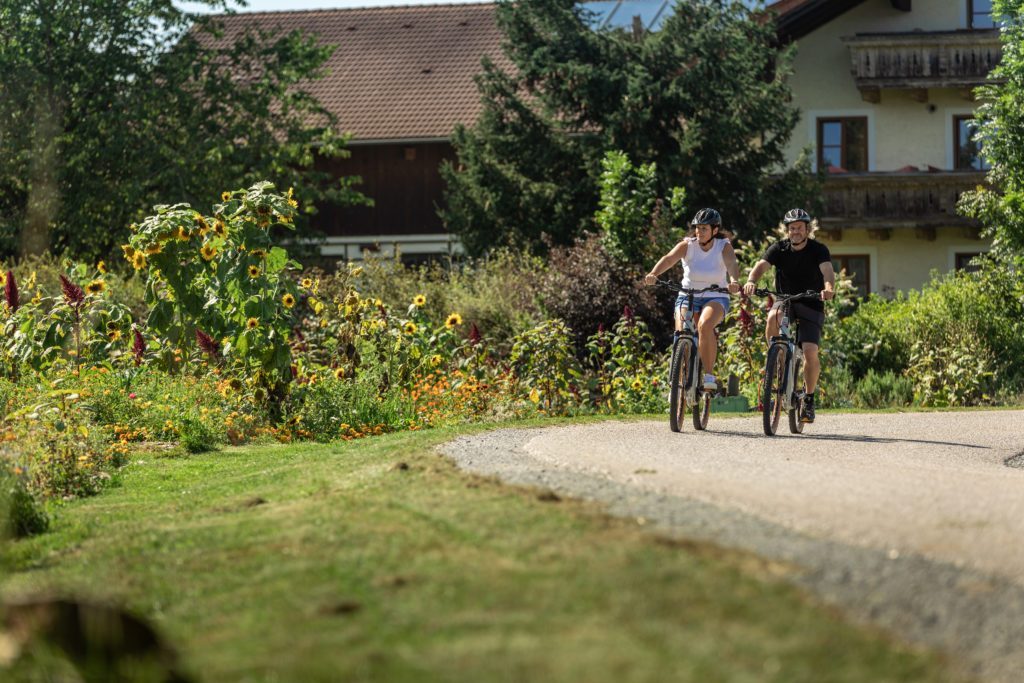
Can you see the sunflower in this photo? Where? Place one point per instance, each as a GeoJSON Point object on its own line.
{"type": "Point", "coordinates": [254, 272]}
{"type": "Point", "coordinates": [436, 359]}
{"type": "Point", "coordinates": [339, 373]}
{"type": "Point", "coordinates": [203, 225]}
{"type": "Point", "coordinates": [138, 260]}
{"type": "Point", "coordinates": [208, 252]}
{"type": "Point", "coordinates": [307, 283]}
{"type": "Point", "coordinates": [114, 335]}
{"type": "Point", "coordinates": [454, 320]}
{"type": "Point", "coordinates": [111, 326]}
{"type": "Point", "coordinates": [96, 287]}
{"type": "Point", "coordinates": [252, 324]}
{"type": "Point", "coordinates": [235, 384]}
{"type": "Point", "coordinates": [220, 229]}
{"type": "Point", "coordinates": [182, 235]}
{"type": "Point", "coordinates": [258, 253]}
{"type": "Point", "coordinates": [419, 301]}
{"type": "Point", "coordinates": [154, 249]}
{"type": "Point", "coordinates": [288, 300]}
{"type": "Point", "coordinates": [259, 394]}
{"type": "Point", "coordinates": [225, 196]}
{"type": "Point", "coordinates": [410, 327]}
{"type": "Point", "coordinates": [102, 267]}
{"type": "Point", "coordinates": [637, 384]}
{"type": "Point", "coordinates": [129, 252]}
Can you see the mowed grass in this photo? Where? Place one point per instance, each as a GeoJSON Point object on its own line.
{"type": "Point", "coordinates": [377, 560]}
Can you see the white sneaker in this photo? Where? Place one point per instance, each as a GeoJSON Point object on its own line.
{"type": "Point", "coordinates": [709, 383]}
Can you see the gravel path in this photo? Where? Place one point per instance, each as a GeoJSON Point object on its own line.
{"type": "Point", "coordinates": [913, 522]}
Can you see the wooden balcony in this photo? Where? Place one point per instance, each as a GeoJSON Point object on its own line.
{"type": "Point", "coordinates": [922, 60]}
{"type": "Point", "coordinates": [882, 202]}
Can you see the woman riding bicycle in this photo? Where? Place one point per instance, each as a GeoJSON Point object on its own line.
{"type": "Point", "coordinates": [708, 259]}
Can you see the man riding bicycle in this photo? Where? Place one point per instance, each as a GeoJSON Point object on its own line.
{"type": "Point", "coordinates": [708, 259]}
{"type": "Point", "coordinates": [801, 264]}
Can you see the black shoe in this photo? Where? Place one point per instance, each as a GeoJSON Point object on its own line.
{"type": "Point", "coordinates": [807, 414]}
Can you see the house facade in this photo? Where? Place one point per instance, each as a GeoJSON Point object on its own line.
{"type": "Point", "coordinates": [885, 90]}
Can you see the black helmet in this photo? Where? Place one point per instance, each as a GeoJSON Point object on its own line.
{"type": "Point", "coordinates": [707, 217]}
{"type": "Point", "coordinates": [794, 215]}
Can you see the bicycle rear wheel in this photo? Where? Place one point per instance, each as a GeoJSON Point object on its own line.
{"type": "Point", "coordinates": [678, 372]}
{"type": "Point", "coordinates": [774, 378]}
{"type": "Point", "coordinates": [796, 426]}
{"type": "Point", "coordinates": [702, 408]}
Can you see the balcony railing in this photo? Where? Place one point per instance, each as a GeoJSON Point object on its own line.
{"type": "Point", "coordinates": [921, 60]}
{"type": "Point", "coordinates": [923, 200]}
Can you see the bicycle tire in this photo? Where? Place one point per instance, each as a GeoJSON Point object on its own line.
{"type": "Point", "coordinates": [796, 426]}
{"type": "Point", "coordinates": [702, 408]}
{"type": "Point", "coordinates": [774, 378]}
{"type": "Point", "coordinates": [677, 376]}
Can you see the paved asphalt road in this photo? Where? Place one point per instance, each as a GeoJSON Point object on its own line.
{"type": "Point", "coordinates": [914, 522]}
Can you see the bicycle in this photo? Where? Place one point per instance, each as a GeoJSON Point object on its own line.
{"type": "Point", "coordinates": [783, 369]}
{"type": "Point", "coordinates": [686, 371]}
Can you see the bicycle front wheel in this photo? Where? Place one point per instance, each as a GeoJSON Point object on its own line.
{"type": "Point", "coordinates": [678, 372]}
{"type": "Point", "coordinates": [774, 379]}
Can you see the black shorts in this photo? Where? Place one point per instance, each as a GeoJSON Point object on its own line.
{"type": "Point", "coordinates": [809, 323]}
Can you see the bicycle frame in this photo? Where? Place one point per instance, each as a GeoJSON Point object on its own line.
{"type": "Point", "coordinates": [692, 392]}
{"type": "Point", "coordinates": [793, 354]}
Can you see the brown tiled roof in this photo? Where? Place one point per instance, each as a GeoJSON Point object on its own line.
{"type": "Point", "coordinates": [396, 72]}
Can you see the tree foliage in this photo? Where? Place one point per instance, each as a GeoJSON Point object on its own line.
{"type": "Point", "coordinates": [1001, 125]}
{"type": "Point", "coordinates": [704, 98]}
{"type": "Point", "coordinates": [108, 107]}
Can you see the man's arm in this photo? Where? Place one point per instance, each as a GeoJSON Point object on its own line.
{"type": "Point", "coordinates": [830, 280]}
{"type": "Point", "coordinates": [759, 269]}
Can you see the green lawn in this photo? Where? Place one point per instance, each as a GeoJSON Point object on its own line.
{"type": "Point", "coordinates": [376, 560]}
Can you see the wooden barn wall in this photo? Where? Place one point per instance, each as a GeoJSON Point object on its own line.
{"type": "Point", "coordinates": [405, 183]}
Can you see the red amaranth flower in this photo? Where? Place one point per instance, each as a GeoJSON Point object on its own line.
{"type": "Point", "coordinates": [73, 294]}
{"type": "Point", "coordinates": [207, 343]}
{"type": "Point", "coordinates": [474, 334]}
{"type": "Point", "coordinates": [138, 346]}
{"type": "Point", "coordinates": [11, 292]}
{"type": "Point", "coordinates": [746, 320]}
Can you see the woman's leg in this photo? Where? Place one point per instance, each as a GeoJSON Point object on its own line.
{"type": "Point", "coordinates": [713, 312]}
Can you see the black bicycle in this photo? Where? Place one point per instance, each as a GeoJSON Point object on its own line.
{"type": "Point", "coordinates": [783, 369]}
{"type": "Point", "coordinates": [686, 372]}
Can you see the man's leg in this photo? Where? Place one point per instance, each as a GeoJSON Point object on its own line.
{"type": "Point", "coordinates": [771, 328]}
{"type": "Point", "coordinates": [812, 366]}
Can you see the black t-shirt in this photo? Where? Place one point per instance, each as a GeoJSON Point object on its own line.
{"type": "Point", "coordinates": [799, 271]}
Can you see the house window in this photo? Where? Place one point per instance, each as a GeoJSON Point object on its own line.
{"type": "Point", "coordinates": [843, 144]}
{"type": "Point", "coordinates": [964, 261]}
{"type": "Point", "coordinates": [979, 14]}
{"type": "Point", "coordinates": [966, 145]}
{"type": "Point", "coordinates": [858, 269]}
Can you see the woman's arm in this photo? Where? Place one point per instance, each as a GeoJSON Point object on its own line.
{"type": "Point", "coordinates": [731, 267]}
{"type": "Point", "coordinates": [667, 261]}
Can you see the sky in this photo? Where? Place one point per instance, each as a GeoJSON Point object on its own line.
{"type": "Point", "coordinates": [281, 5]}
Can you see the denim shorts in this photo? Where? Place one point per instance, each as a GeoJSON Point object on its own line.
{"type": "Point", "coordinates": [698, 303]}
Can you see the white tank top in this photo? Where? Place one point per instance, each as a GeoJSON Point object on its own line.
{"type": "Point", "coordinates": [705, 268]}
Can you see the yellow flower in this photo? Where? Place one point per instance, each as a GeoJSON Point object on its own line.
{"type": "Point", "coordinates": [220, 229]}
{"type": "Point", "coordinates": [410, 327]}
{"type": "Point", "coordinates": [254, 272]}
{"type": "Point", "coordinates": [534, 395]}
{"type": "Point", "coordinates": [340, 373]}
{"type": "Point", "coordinates": [154, 249]}
{"type": "Point", "coordinates": [258, 253]}
{"type": "Point", "coordinates": [307, 283]}
{"type": "Point", "coordinates": [138, 261]}
{"type": "Point", "coordinates": [454, 320]}
{"type": "Point", "coordinates": [181, 234]}
{"type": "Point", "coordinates": [129, 252]}
{"type": "Point", "coordinates": [252, 324]}
{"type": "Point", "coordinates": [419, 300]}
{"type": "Point", "coordinates": [203, 225]}
{"type": "Point", "coordinates": [637, 384]}
{"type": "Point", "coordinates": [208, 252]}
{"type": "Point", "coordinates": [102, 267]}
{"type": "Point", "coordinates": [96, 287]}
{"type": "Point", "coordinates": [114, 335]}
{"type": "Point", "coordinates": [288, 300]}
{"type": "Point", "coordinates": [357, 271]}
{"type": "Point", "coordinates": [225, 196]}
{"type": "Point", "coordinates": [436, 359]}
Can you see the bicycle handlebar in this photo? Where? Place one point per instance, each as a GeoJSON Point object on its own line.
{"type": "Point", "coordinates": [782, 298]}
{"type": "Point", "coordinates": [676, 287]}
